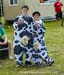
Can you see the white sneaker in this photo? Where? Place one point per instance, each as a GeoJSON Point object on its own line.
{"type": "Point", "coordinates": [11, 57]}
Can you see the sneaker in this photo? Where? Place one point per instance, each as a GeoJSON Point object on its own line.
{"type": "Point", "coordinates": [38, 63]}
{"type": "Point", "coordinates": [50, 62]}
{"type": "Point", "coordinates": [18, 64]}
{"type": "Point", "coordinates": [11, 57]}
{"type": "Point", "coordinates": [28, 63]}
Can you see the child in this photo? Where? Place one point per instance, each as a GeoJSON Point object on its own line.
{"type": "Point", "coordinates": [18, 29]}
{"type": "Point", "coordinates": [38, 30]}
{"type": "Point", "coordinates": [22, 42]}
{"type": "Point", "coordinates": [4, 40]}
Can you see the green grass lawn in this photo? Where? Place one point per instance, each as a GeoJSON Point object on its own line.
{"type": "Point", "coordinates": [54, 37]}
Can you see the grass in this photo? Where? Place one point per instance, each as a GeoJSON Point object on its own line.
{"type": "Point", "coordinates": [54, 37]}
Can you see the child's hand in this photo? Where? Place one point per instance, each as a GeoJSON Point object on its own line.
{"type": "Point", "coordinates": [4, 43]}
{"type": "Point", "coordinates": [1, 43]}
{"type": "Point", "coordinates": [37, 25]}
{"type": "Point", "coordinates": [33, 34]}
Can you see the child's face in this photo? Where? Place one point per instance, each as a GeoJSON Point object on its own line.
{"type": "Point", "coordinates": [25, 11]}
{"type": "Point", "coordinates": [36, 17]}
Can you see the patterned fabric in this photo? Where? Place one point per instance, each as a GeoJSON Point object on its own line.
{"type": "Point", "coordinates": [19, 32]}
{"type": "Point", "coordinates": [41, 54]}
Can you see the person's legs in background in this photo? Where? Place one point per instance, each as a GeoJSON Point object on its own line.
{"type": "Point", "coordinates": [59, 18]}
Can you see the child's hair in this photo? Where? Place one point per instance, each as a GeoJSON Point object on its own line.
{"type": "Point", "coordinates": [25, 6]}
{"type": "Point", "coordinates": [36, 12]}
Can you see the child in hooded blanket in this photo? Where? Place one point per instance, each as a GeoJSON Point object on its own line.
{"type": "Point", "coordinates": [39, 48]}
{"type": "Point", "coordinates": [20, 25]}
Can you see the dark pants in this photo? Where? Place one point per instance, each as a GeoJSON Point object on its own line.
{"type": "Point", "coordinates": [3, 50]}
{"type": "Point", "coordinates": [59, 16]}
